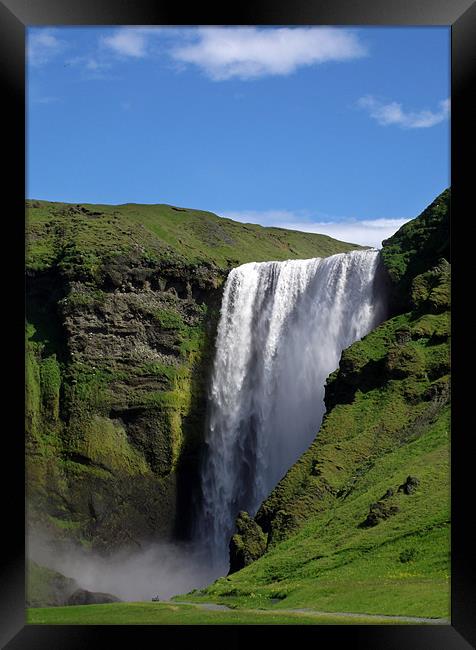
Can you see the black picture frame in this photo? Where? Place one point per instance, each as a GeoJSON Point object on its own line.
{"type": "Point", "coordinates": [15, 16]}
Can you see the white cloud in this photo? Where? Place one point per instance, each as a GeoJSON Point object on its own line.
{"type": "Point", "coordinates": [43, 45]}
{"type": "Point", "coordinates": [88, 63]}
{"type": "Point", "coordinates": [93, 64]}
{"type": "Point", "coordinates": [367, 232]}
{"type": "Point", "coordinates": [393, 113]}
{"type": "Point", "coordinates": [267, 217]}
{"type": "Point", "coordinates": [127, 42]}
{"type": "Point", "coordinates": [219, 52]}
{"type": "Point", "coordinates": [91, 67]}
{"type": "Point", "coordinates": [251, 52]}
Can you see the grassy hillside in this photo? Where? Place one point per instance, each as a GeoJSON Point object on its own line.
{"type": "Point", "coordinates": [400, 566]}
{"type": "Point", "coordinates": [122, 306]}
{"type": "Point", "coordinates": [361, 522]}
{"type": "Point", "coordinates": [159, 232]}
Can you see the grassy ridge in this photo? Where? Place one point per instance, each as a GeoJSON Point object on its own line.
{"type": "Point", "coordinates": [92, 233]}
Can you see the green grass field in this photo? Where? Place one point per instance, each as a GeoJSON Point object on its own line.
{"type": "Point", "coordinates": [171, 614]}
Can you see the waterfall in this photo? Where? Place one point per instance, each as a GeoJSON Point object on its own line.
{"type": "Point", "coordinates": [282, 329]}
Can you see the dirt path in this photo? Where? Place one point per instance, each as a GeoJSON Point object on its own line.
{"type": "Point", "coordinates": [317, 614]}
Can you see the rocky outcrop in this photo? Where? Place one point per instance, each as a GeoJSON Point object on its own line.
{"type": "Point", "coordinates": [420, 248]}
{"type": "Point", "coordinates": [410, 485]}
{"type": "Point", "coordinates": [84, 597]}
{"type": "Point", "coordinates": [247, 544]}
{"type": "Point", "coordinates": [46, 587]}
{"type": "Point", "coordinates": [378, 512]}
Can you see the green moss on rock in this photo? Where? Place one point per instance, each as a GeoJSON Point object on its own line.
{"type": "Point", "coordinates": [106, 444]}
{"type": "Point", "coordinates": [405, 361]}
{"type": "Point", "coordinates": [247, 544]}
{"type": "Point", "coordinates": [418, 244]}
{"type": "Point", "coordinates": [50, 381]}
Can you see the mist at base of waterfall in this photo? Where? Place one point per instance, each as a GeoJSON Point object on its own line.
{"type": "Point", "coordinates": [163, 568]}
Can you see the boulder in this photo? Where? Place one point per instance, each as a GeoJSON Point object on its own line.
{"type": "Point", "coordinates": [85, 597]}
{"type": "Point", "coordinates": [378, 512]}
{"type": "Point", "coordinates": [410, 485]}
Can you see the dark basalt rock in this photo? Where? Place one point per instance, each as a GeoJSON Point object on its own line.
{"type": "Point", "coordinates": [379, 512]}
{"type": "Point", "coordinates": [85, 597]}
{"type": "Point", "coordinates": [410, 485]}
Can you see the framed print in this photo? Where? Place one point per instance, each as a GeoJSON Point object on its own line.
{"type": "Point", "coordinates": [244, 233]}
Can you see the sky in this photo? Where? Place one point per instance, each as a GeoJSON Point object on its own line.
{"type": "Point", "coordinates": [341, 131]}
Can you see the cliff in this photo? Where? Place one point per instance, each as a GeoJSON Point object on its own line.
{"type": "Point", "coordinates": [122, 306]}
{"type": "Point", "coordinates": [361, 521]}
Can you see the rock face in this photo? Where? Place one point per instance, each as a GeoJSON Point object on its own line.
{"type": "Point", "coordinates": [115, 414]}
{"type": "Point", "coordinates": [84, 597]}
{"type": "Point", "coordinates": [378, 512]}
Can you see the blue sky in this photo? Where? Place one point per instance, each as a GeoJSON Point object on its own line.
{"type": "Point", "coordinates": [337, 130]}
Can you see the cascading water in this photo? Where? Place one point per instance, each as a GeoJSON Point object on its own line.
{"type": "Point", "coordinates": [282, 329]}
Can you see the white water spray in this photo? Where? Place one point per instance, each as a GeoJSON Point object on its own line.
{"type": "Point", "coordinates": [282, 329]}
